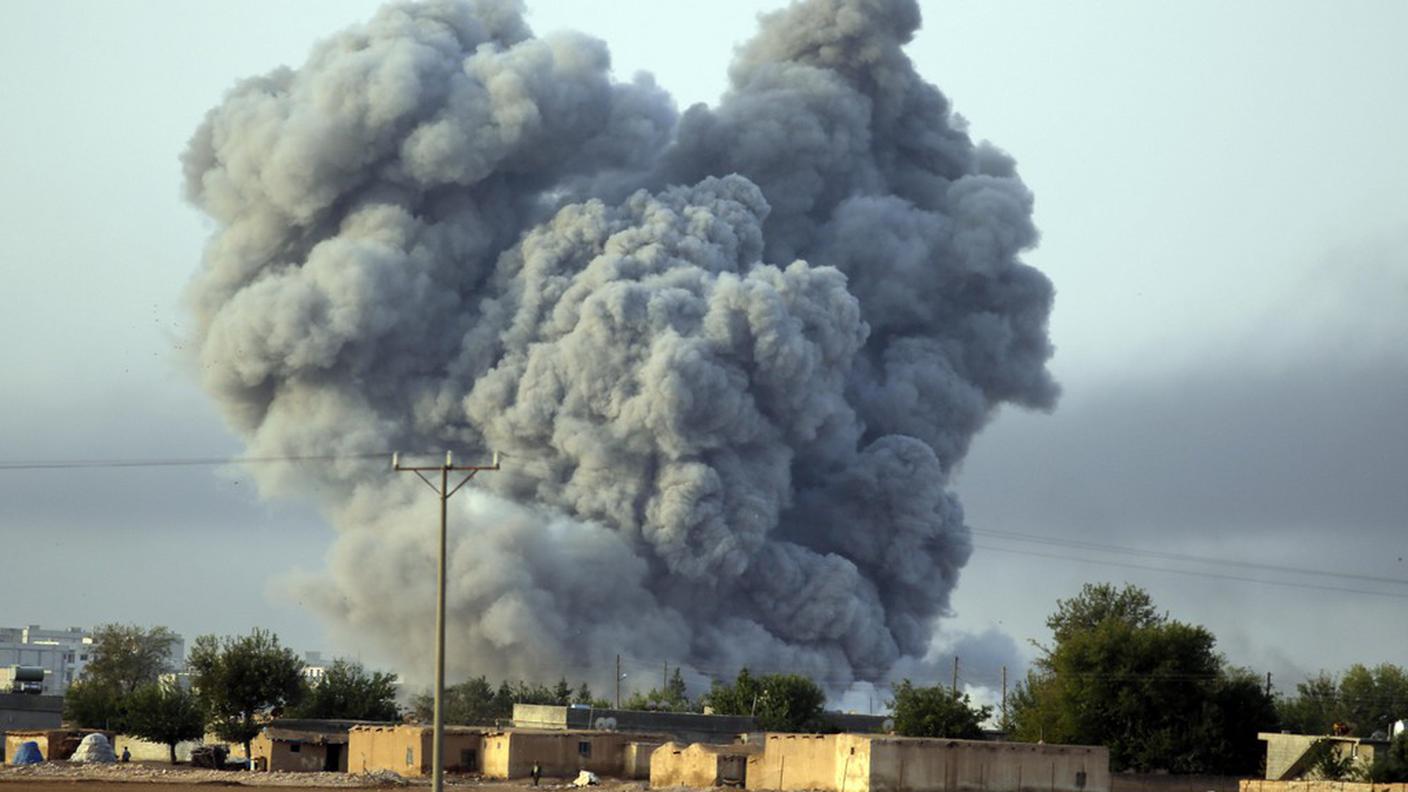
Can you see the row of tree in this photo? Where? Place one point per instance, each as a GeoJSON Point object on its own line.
{"type": "Point", "coordinates": [1157, 693]}
{"type": "Point", "coordinates": [1117, 673]}
{"type": "Point", "coordinates": [234, 683]}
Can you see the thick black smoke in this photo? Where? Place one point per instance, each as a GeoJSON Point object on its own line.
{"type": "Point", "coordinates": [732, 355]}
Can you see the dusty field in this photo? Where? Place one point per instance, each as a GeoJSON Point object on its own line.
{"type": "Point", "coordinates": [64, 777]}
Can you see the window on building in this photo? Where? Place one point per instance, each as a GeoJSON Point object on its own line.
{"type": "Point", "coordinates": [410, 756]}
{"type": "Point", "coordinates": [584, 748]}
{"type": "Point", "coordinates": [294, 747]}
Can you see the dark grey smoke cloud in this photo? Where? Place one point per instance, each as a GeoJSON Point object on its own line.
{"type": "Point", "coordinates": [733, 355]}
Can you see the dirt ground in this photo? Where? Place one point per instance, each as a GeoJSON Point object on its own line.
{"type": "Point", "coordinates": [65, 777]}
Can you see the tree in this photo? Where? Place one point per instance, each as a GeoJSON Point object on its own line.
{"type": "Point", "coordinates": [1315, 708]}
{"type": "Point", "coordinates": [348, 691]}
{"type": "Point", "coordinates": [93, 704]}
{"type": "Point", "coordinates": [166, 714]}
{"type": "Point", "coordinates": [779, 702]}
{"type": "Point", "coordinates": [1391, 765]}
{"type": "Point", "coordinates": [240, 678]}
{"type": "Point", "coordinates": [562, 694]}
{"type": "Point", "coordinates": [936, 712]}
{"type": "Point", "coordinates": [1152, 689]}
{"type": "Point", "coordinates": [671, 698]}
{"type": "Point", "coordinates": [1373, 698]}
{"type": "Point", "coordinates": [1101, 602]}
{"type": "Point", "coordinates": [476, 702]}
{"type": "Point", "coordinates": [128, 657]}
{"type": "Point", "coordinates": [123, 658]}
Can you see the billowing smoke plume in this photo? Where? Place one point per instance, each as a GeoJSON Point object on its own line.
{"type": "Point", "coordinates": [732, 355]}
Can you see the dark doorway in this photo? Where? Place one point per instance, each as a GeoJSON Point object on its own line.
{"type": "Point", "coordinates": [469, 761]}
{"type": "Point", "coordinates": [333, 762]}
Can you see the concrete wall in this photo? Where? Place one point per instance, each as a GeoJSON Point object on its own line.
{"type": "Point", "coordinates": [145, 751]}
{"type": "Point", "coordinates": [1285, 751]}
{"type": "Point", "coordinates": [898, 764]}
{"type": "Point", "coordinates": [687, 727]}
{"type": "Point", "coordinates": [408, 750]}
{"type": "Point", "coordinates": [27, 712]}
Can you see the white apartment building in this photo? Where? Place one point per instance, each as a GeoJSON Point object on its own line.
{"type": "Point", "coordinates": [62, 653]}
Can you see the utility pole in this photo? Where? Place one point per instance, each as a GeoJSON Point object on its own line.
{"type": "Point", "coordinates": [1003, 724]}
{"type": "Point", "coordinates": [955, 675]}
{"type": "Point", "coordinates": [618, 681]}
{"type": "Point", "coordinates": [1268, 683]}
{"type": "Point", "coordinates": [444, 492]}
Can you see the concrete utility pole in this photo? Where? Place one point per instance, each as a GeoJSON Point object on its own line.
{"type": "Point", "coordinates": [1004, 697]}
{"type": "Point", "coordinates": [445, 493]}
{"type": "Point", "coordinates": [955, 675]}
{"type": "Point", "coordinates": [618, 681]}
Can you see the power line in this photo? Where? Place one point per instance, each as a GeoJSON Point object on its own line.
{"type": "Point", "coordinates": [67, 464]}
{"type": "Point", "coordinates": [1199, 573]}
{"type": "Point", "coordinates": [1172, 556]}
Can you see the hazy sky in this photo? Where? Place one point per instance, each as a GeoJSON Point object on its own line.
{"type": "Point", "coordinates": [1219, 187]}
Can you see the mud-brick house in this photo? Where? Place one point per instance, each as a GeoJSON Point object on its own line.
{"type": "Point", "coordinates": [295, 745]}
{"type": "Point", "coordinates": [407, 749]}
{"type": "Point", "coordinates": [701, 765]}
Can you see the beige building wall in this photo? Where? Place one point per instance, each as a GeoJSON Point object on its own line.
{"type": "Point", "coordinates": [636, 761]}
{"type": "Point", "coordinates": [147, 751]}
{"type": "Point", "coordinates": [54, 744]}
{"type": "Point", "coordinates": [294, 757]}
{"type": "Point", "coordinates": [899, 764]}
{"type": "Point", "coordinates": [13, 741]}
{"type": "Point", "coordinates": [699, 766]}
{"type": "Point", "coordinates": [408, 750]}
{"type": "Point", "coordinates": [560, 754]}
{"type": "Point", "coordinates": [795, 762]}
{"type": "Point", "coordinates": [871, 763]}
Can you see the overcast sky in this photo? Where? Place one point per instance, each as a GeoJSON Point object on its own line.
{"type": "Point", "coordinates": [1219, 188]}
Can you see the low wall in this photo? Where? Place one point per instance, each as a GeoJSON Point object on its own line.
{"type": "Point", "coordinates": [1164, 782]}
{"type": "Point", "coordinates": [688, 727]}
{"type": "Point", "coordinates": [977, 766]}
{"type": "Point", "coordinates": [1259, 785]}
{"type": "Point", "coordinates": [147, 751]}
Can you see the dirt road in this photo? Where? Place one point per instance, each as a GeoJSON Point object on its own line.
{"type": "Point", "coordinates": [65, 777]}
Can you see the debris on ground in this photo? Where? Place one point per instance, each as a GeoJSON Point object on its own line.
{"type": "Point", "coordinates": [94, 749]}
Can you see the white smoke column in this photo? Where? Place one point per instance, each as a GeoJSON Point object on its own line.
{"type": "Point", "coordinates": [732, 356]}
